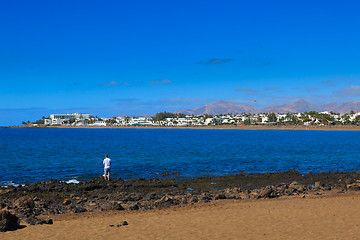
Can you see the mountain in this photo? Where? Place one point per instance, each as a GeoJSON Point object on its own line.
{"type": "Point", "coordinates": [305, 106]}
{"type": "Point", "coordinates": [348, 106]}
{"type": "Point", "coordinates": [223, 107]}
{"type": "Point", "coordinates": [330, 107]}
{"type": "Point", "coordinates": [298, 106]}
{"type": "Point", "coordinates": [220, 107]}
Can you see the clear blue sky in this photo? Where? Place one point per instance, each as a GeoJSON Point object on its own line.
{"type": "Point", "coordinates": [140, 57]}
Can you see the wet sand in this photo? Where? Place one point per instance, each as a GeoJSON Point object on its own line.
{"type": "Point", "coordinates": [334, 216]}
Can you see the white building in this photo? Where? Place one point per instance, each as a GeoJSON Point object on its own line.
{"type": "Point", "coordinates": [62, 119]}
{"type": "Point", "coordinates": [143, 121]}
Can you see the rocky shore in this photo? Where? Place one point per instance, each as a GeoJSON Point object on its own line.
{"type": "Point", "coordinates": [35, 203]}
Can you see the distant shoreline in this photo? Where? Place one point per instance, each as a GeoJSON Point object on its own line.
{"type": "Point", "coordinates": [250, 127]}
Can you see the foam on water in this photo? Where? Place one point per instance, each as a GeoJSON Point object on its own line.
{"type": "Point", "coordinates": [72, 181]}
{"type": "Point", "coordinates": [8, 184]}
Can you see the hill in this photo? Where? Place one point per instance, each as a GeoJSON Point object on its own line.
{"type": "Point", "coordinates": [220, 107]}
{"type": "Point", "coordinates": [223, 107]}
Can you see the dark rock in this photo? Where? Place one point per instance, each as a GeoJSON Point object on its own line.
{"type": "Point", "coordinates": [193, 199]}
{"type": "Point", "coordinates": [164, 202]}
{"type": "Point", "coordinates": [205, 197]}
{"type": "Point", "coordinates": [32, 220]}
{"type": "Point", "coordinates": [232, 193]}
{"type": "Point", "coordinates": [76, 209]}
{"type": "Point", "coordinates": [91, 206]}
{"type": "Point", "coordinates": [123, 223]}
{"type": "Point", "coordinates": [8, 221]}
{"type": "Point", "coordinates": [132, 206]}
{"type": "Point", "coordinates": [24, 202]}
{"type": "Point", "coordinates": [117, 206]}
{"type": "Point", "coordinates": [219, 196]}
{"type": "Point", "coordinates": [265, 192]}
{"type": "Point", "coordinates": [66, 201]}
{"type": "Point", "coordinates": [49, 221]}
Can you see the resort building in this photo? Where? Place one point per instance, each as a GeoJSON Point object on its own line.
{"type": "Point", "coordinates": [67, 119]}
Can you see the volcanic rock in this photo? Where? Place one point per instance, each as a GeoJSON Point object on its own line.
{"type": "Point", "coordinates": [266, 192]}
{"type": "Point", "coordinates": [8, 221]}
{"type": "Point", "coordinates": [24, 202]}
{"type": "Point", "coordinates": [66, 201]}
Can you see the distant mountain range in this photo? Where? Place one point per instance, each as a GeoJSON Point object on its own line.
{"type": "Point", "coordinates": [222, 107]}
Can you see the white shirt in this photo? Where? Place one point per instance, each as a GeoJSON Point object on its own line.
{"type": "Point", "coordinates": [107, 162]}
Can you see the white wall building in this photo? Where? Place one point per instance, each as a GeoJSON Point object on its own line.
{"type": "Point", "coordinates": [60, 119]}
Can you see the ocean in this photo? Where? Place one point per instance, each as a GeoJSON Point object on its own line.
{"type": "Point", "coordinates": [37, 154]}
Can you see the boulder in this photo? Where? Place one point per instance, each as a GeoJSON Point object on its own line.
{"type": "Point", "coordinates": [244, 196]}
{"type": "Point", "coordinates": [132, 206]}
{"type": "Point", "coordinates": [8, 221]}
{"type": "Point", "coordinates": [232, 193]}
{"type": "Point", "coordinates": [24, 202]}
{"type": "Point", "coordinates": [117, 206]}
{"type": "Point", "coordinates": [219, 196]}
{"type": "Point", "coordinates": [317, 185]}
{"type": "Point", "coordinates": [76, 209]}
{"type": "Point", "coordinates": [266, 192]}
{"type": "Point", "coordinates": [205, 197]}
{"type": "Point", "coordinates": [294, 184]}
{"type": "Point", "coordinates": [353, 186]}
{"type": "Point", "coordinates": [123, 223]}
{"type": "Point", "coordinates": [66, 201]}
{"type": "Point", "coordinates": [254, 195]}
{"type": "Point", "coordinates": [49, 221]}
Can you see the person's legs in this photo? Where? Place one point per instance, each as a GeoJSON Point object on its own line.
{"type": "Point", "coordinates": [107, 173]}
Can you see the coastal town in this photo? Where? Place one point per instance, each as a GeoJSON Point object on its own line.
{"type": "Point", "coordinates": [167, 119]}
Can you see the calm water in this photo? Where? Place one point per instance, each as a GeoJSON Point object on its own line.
{"type": "Point", "coordinates": [29, 155]}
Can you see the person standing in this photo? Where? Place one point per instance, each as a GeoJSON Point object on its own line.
{"type": "Point", "coordinates": [107, 164]}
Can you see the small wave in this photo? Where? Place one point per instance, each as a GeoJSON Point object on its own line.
{"type": "Point", "coordinates": [8, 184]}
{"type": "Point", "coordinates": [72, 181]}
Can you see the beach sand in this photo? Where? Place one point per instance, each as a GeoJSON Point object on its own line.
{"type": "Point", "coordinates": [327, 217]}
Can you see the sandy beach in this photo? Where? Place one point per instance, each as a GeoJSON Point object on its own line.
{"type": "Point", "coordinates": [328, 217]}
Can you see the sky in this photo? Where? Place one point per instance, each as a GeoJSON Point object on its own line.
{"type": "Point", "coordinates": [142, 57]}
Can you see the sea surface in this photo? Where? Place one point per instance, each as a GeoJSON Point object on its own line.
{"type": "Point", "coordinates": [73, 155]}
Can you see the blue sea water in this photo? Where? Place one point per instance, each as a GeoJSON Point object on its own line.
{"type": "Point", "coordinates": [36, 154]}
